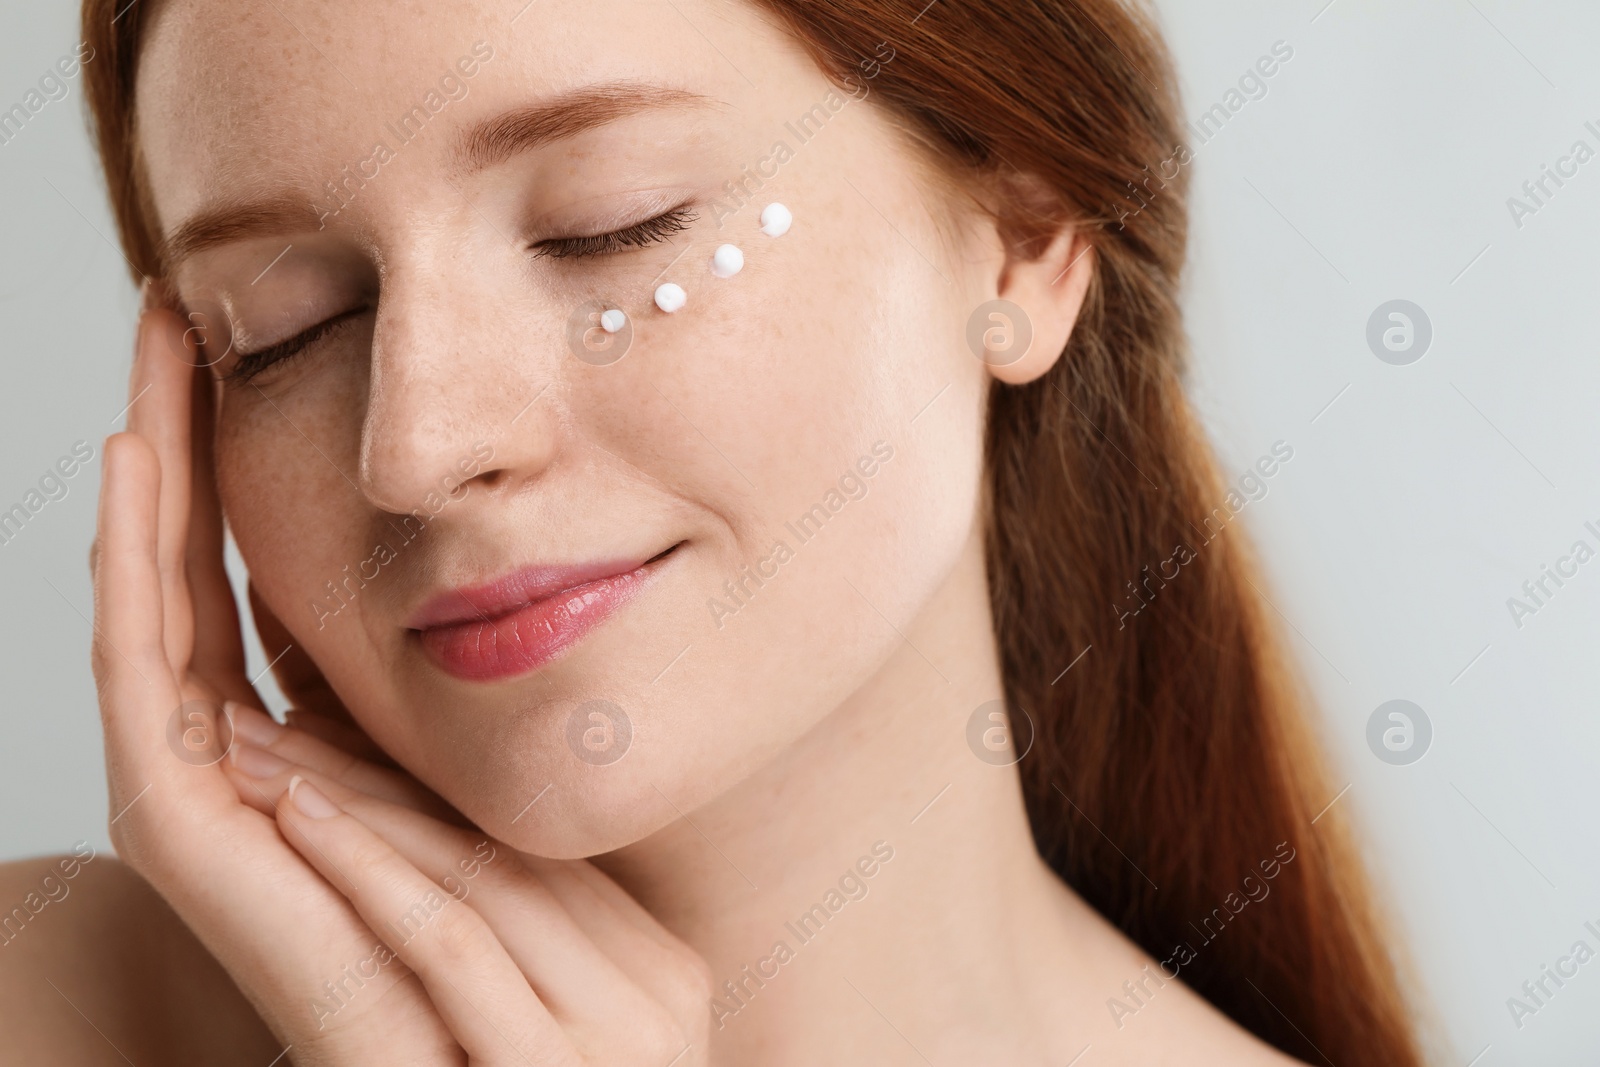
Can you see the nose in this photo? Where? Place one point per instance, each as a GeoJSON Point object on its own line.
{"type": "Point", "coordinates": [457, 393]}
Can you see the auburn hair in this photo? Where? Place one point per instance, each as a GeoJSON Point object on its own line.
{"type": "Point", "coordinates": [1175, 761]}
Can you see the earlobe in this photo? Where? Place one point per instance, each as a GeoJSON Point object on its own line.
{"type": "Point", "coordinates": [1045, 295]}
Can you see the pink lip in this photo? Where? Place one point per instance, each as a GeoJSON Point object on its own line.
{"type": "Point", "coordinates": [523, 620]}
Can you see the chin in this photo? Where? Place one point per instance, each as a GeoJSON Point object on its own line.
{"type": "Point", "coordinates": [563, 812]}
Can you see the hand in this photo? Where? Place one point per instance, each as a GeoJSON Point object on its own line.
{"type": "Point", "coordinates": [167, 635]}
{"type": "Point", "coordinates": [527, 960]}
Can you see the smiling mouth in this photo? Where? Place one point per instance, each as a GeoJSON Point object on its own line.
{"type": "Point", "coordinates": [521, 621]}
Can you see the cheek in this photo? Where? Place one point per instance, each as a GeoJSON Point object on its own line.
{"type": "Point", "coordinates": [754, 401]}
{"type": "Point", "coordinates": [769, 386]}
{"type": "Point", "coordinates": [836, 346]}
{"type": "Point", "coordinates": [296, 520]}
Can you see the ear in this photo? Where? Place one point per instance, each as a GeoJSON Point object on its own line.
{"type": "Point", "coordinates": [1045, 281]}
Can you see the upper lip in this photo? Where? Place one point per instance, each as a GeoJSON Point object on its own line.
{"type": "Point", "coordinates": [516, 589]}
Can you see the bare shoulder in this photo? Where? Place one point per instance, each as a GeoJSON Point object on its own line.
{"type": "Point", "coordinates": [1134, 1011]}
{"type": "Point", "coordinates": [96, 968]}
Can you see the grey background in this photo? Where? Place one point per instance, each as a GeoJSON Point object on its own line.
{"type": "Point", "coordinates": [1376, 167]}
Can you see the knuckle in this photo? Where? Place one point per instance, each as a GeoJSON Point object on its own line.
{"type": "Point", "coordinates": [699, 982]}
{"type": "Point", "coordinates": [515, 878]}
{"type": "Point", "coordinates": [658, 1032]}
{"type": "Point", "coordinates": [171, 567]}
{"type": "Point", "coordinates": [691, 986]}
{"type": "Point", "coordinates": [146, 655]}
{"type": "Point", "coordinates": [369, 861]}
{"type": "Point", "coordinates": [459, 935]}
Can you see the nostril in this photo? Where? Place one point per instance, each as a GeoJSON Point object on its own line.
{"type": "Point", "coordinates": [490, 479]}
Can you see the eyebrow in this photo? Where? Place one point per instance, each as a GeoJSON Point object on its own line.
{"type": "Point", "coordinates": [482, 145]}
{"type": "Point", "coordinates": [231, 220]}
{"type": "Point", "coordinates": [498, 139]}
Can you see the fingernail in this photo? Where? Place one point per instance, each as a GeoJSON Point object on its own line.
{"type": "Point", "coordinates": [256, 762]}
{"type": "Point", "coordinates": [255, 726]}
{"type": "Point", "coordinates": [310, 800]}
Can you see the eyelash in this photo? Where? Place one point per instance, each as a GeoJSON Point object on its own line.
{"type": "Point", "coordinates": [640, 235]}
{"type": "Point", "coordinates": [250, 364]}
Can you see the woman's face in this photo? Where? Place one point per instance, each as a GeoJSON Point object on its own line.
{"type": "Point", "coordinates": [514, 554]}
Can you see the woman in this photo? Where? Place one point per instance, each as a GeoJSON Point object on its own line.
{"type": "Point", "coordinates": [663, 439]}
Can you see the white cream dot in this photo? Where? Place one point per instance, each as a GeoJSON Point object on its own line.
{"type": "Point", "coordinates": [776, 220]}
{"type": "Point", "coordinates": [727, 261]}
{"type": "Point", "coordinates": [670, 297]}
{"type": "Point", "coordinates": [613, 320]}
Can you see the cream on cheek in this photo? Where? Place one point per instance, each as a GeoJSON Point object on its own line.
{"type": "Point", "coordinates": [820, 347]}
{"type": "Point", "coordinates": [767, 383]}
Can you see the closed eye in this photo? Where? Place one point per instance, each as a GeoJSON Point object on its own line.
{"type": "Point", "coordinates": [640, 235]}
{"type": "Point", "coordinates": [250, 364]}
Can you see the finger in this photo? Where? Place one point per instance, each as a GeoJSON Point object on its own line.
{"type": "Point", "coordinates": [181, 825]}
{"type": "Point", "coordinates": [588, 965]}
{"type": "Point", "coordinates": [564, 966]}
{"type": "Point", "coordinates": [663, 966]}
{"type": "Point", "coordinates": [620, 900]}
{"type": "Point", "coordinates": [475, 985]}
{"type": "Point", "coordinates": [139, 692]}
{"type": "Point", "coordinates": [624, 932]}
{"type": "Point", "coordinates": [218, 654]}
{"type": "Point", "coordinates": [159, 413]}
{"type": "Point", "coordinates": [130, 660]}
{"type": "Point", "coordinates": [585, 987]}
{"type": "Point", "coordinates": [256, 730]}
{"type": "Point", "coordinates": [589, 972]}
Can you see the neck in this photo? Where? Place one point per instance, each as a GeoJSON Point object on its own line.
{"type": "Point", "coordinates": [865, 865]}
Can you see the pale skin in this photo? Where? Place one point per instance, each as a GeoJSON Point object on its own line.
{"type": "Point", "coordinates": [773, 747]}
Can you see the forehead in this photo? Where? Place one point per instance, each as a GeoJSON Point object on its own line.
{"type": "Point", "coordinates": [242, 99]}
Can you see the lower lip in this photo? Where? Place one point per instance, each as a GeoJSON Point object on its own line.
{"type": "Point", "coordinates": [526, 639]}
